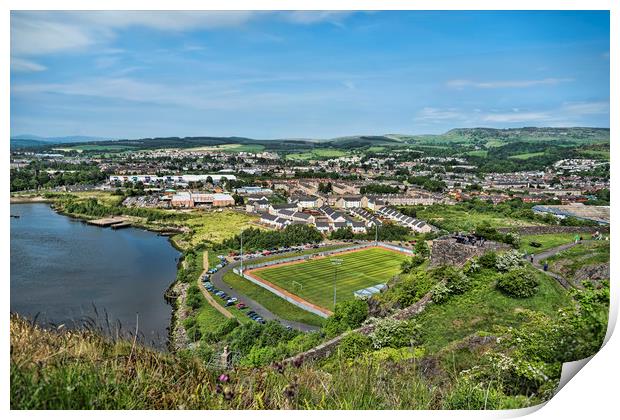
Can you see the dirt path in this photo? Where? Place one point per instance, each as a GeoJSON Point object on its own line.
{"type": "Point", "coordinates": [205, 292]}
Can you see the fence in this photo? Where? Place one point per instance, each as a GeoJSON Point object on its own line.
{"type": "Point", "coordinates": [307, 306]}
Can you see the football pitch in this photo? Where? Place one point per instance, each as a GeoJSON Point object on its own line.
{"type": "Point", "coordinates": [313, 280]}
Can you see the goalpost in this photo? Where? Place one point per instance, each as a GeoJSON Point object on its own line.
{"type": "Point", "coordinates": [296, 286]}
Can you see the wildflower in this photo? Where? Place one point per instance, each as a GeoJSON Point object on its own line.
{"type": "Point", "coordinates": [223, 378]}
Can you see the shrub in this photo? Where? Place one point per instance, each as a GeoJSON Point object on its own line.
{"type": "Point", "coordinates": [518, 283]}
{"type": "Point", "coordinates": [488, 260]}
{"type": "Point", "coordinates": [354, 344]}
{"type": "Point", "coordinates": [390, 332]}
{"type": "Point", "coordinates": [408, 265]}
{"type": "Point", "coordinates": [193, 301]}
{"type": "Point", "coordinates": [441, 293]}
{"type": "Point", "coordinates": [450, 281]}
{"type": "Point", "coordinates": [509, 261]}
{"type": "Point", "coordinates": [348, 315]}
{"type": "Point", "coordinates": [189, 322]}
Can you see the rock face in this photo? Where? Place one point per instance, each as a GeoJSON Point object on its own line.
{"type": "Point", "coordinates": [178, 335]}
{"type": "Point", "coordinates": [448, 252]}
{"type": "Point", "coordinates": [592, 272]}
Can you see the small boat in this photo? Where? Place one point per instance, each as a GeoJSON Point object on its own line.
{"type": "Point", "coordinates": [15, 216]}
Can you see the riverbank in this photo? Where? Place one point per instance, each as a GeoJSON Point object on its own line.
{"type": "Point", "coordinates": [30, 199]}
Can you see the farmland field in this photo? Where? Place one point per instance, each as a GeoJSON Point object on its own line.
{"type": "Point", "coordinates": [314, 279]}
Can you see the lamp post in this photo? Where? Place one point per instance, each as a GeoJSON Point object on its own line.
{"type": "Point", "coordinates": [241, 270]}
{"type": "Point", "coordinates": [376, 234]}
{"type": "Point", "coordinates": [335, 262]}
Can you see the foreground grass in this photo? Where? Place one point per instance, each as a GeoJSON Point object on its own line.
{"type": "Point", "coordinates": [273, 303]}
{"type": "Point", "coordinates": [83, 370]}
{"type": "Point", "coordinates": [483, 307]}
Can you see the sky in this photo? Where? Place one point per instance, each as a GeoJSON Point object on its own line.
{"type": "Point", "coordinates": [305, 74]}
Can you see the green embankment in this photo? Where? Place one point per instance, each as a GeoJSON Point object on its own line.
{"type": "Point", "coordinates": [483, 307]}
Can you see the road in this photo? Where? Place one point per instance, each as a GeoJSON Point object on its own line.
{"type": "Point", "coordinates": [218, 280]}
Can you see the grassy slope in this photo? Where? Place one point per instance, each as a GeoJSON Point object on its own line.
{"type": "Point", "coordinates": [358, 270]}
{"type": "Point", "coordinates": [482, 307]}
{"type": "Point", "coordinates": [456, 219]}
{"type": "Point", "coordinates": [547, 241]}
{"type": "Point", "coordinates": [273, 303]}
{"type": "Point", "coordinates": [82, 370]}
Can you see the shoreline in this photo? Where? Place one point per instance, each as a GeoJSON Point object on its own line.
{"type": "Point", "coordinates": [168, 295]}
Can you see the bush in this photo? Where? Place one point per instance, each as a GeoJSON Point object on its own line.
{"type": "Point", "coordinates": [393, 333]}
{"type": "Point", "coordinates": [189, 322]}
{"type": "Point", "coordinates": [449, 281]}
{"type": "Point", "coordinates": [408, 265]}
{"type": "Point", "coordinates": [518, 283]}
{"type": "Point", "coordinates": [488, 260]}
{"type": "Point", "coordinates": [509, 261]}
{"type": "Point", "coordinates": [348, 315]}
{"type": "Point", "coordinates": [353, 345]}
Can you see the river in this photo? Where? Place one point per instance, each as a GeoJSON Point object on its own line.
{"type": "Point", "coordinates": [62, 268]}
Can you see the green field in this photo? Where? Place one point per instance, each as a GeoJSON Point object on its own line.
{"type": "Point", "coordinates": [317, 154]}
{"type": "Point", "coordinates": [454, 218]}
{"type": "Point", "coordinates": [358, 270]}
{"type": "Point", "coordinates": [524, 156]}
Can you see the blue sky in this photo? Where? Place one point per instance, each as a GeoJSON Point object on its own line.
{"type": "Point", "coordinates": [305, 74]}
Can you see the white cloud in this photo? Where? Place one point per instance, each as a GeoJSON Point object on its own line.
{"type": "Point", "coordinates": [36, 36]}
{"type": "Point", "coordinates": [307, 17]}
{"type": "Point", "coordinates": [587, 108]}
{"type": "Point", "coordinates": [566, 114]}
{"type": "Point", "coordinates": [461, 84]}
{"type": "Point", "coordinates": [431, 114]}
{"type": "Point", "coordinates": [34, 33]}
{"type": "Point", "coordinates": [22, 65]}
{"type": "Point", "coordinates": [207, 96]}
{"type": "Point", "coordinates": [510, 117]}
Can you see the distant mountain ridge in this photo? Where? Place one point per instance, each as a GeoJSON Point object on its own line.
{"type": "Point", "coordinates": [458, 135]}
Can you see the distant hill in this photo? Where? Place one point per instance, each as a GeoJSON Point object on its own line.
{"type": "Point", "coordinates": [27, 143]}
{"type": "Point", "coordinates": [63, 139]}
{"type": "Point", "coordinates": [479, 136]}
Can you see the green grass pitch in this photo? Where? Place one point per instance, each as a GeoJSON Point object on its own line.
{"type": "Point", "coordinates": [358, 270]}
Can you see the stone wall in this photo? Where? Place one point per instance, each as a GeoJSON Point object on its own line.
{"type": "Point", "coordinates": [448, 252]}
{"type": "Point", "coordinates": [540, 230]}
{"type": "Point", "coordinates": [325, 349]}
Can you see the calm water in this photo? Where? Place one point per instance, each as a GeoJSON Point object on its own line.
{"type": "Point", "coordinates": [60, 267]}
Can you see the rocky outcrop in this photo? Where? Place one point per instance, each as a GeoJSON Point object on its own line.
{"type": "Point", "coordinates": [448, 251]}
{"type": "Point", "coordinates": [593, 272]}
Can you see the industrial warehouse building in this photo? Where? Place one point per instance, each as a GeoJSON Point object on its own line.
{"type": "Point", "coordinates": [190, 200]}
